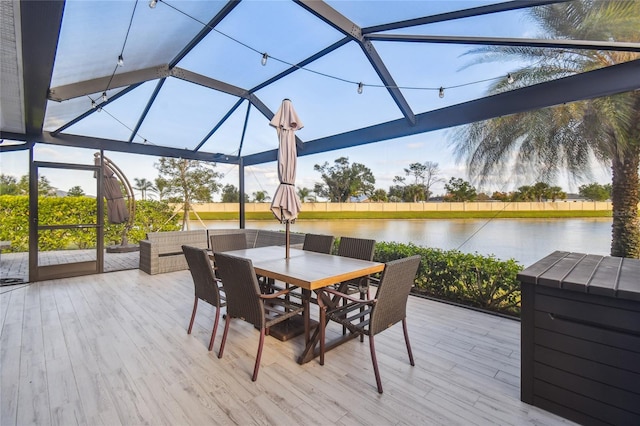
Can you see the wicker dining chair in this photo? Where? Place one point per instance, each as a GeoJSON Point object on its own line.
{"type": "Point", "coordinates": [207, 286]}
{"type": "Point", "coordinates": [235, 241]}
{"type": "Point", "coordinates": [246, 302]}
{"type": "Point", "coordinates": [357, 248]}
{"type": "Point", "coordinates": [318, 243]}
{"type": "Point", "coordinates": [388, 308]}
{"type": "Point", "coordinates": [227, 242]}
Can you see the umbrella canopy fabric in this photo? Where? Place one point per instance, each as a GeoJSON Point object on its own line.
{"type": "Point", "coordinates": [117, 211]}
{"type": "Point", "coordinates": [286, 204]}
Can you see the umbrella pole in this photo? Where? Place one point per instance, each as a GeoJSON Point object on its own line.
{"type": "Point", "coordinates": [286, 241]}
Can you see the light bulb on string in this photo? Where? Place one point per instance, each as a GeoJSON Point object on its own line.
{"type": "Point", "coordinates": [104, 96]}
{"type": "Point", "coordinates": [265, 57]}
{"type": "Point", "coordinates": [120, 61]}
{"type": "Point", "coordinates": [93, 104]}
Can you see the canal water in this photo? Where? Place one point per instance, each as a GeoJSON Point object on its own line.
{"type": "Point", "coordinates": [525, 240]}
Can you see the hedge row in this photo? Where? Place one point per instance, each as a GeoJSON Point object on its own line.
{"type": "Point", "coordinates": [470, 279]}
{"type": "Point", "coordinates": [14, 227]}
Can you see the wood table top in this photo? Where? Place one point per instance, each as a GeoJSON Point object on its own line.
{"type": "Point", "coordinates": [306, 269]}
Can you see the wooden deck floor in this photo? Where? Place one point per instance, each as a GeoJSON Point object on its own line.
{"type": "Point", "coordinates": [112, 349]}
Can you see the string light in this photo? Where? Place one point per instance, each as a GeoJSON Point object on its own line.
{"type": "Point", "coordinates": [265, 57]}
{"type": "Point", "coordinates": [120, 62]}
{"type": "Point", "coordinates": [360, 85]}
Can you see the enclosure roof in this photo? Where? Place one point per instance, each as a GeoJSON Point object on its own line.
{"type": "Point", "coordinates": [192, 83]}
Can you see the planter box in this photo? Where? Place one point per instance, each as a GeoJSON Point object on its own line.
{"type": "Point", "coordinates": [581, 337]}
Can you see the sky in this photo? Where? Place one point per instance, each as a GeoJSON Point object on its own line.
{"type": "Point", "coordinates": [327, 103]}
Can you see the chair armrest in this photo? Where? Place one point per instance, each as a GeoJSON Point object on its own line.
{"type": "Point", "coordinates": [278, 294]}
{"type": "Point", "coordinates": [348, 297]}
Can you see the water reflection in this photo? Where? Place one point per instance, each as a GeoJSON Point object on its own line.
{"type": "Point", "coordinates": [526, 240]}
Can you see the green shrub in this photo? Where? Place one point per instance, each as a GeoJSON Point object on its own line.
{"type": "Point", "coordinates": [471, 279]}
{"type": "Point", "coordinates": [14, 210]}
{"type": "Point", "coordinates": [14, 226]}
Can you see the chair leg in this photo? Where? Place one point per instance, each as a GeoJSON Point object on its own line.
{"type": "Point", "coordinates": [406, 339]}
{"type": "Point", "coordinates": [215, 328]}
{"type": "Point", "coordinates": [258, 356]}
{"type": "Point", "coordinates": [374, 360]}
{"type": "Point", "coordinates": [363, 296]}
{"type": "Point", "coordinates": [193, 315]}
{"type": "Point", "coordinates": [224, 335]}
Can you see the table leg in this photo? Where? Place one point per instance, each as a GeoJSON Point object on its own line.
{"type": "Point", "coordinates": [310, 351]}
{"type": "Point", "coordinates": [306, 297]}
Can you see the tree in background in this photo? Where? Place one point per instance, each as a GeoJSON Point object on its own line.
{"type": "Point", "coordinates": [230, 194]}
{"type": "Point", "coordinates": [75, 191]}
{"type": "Point", "coordinates": [425, 175]}
{"type": "Point", "coordinates": [306, 194]}
{"type": "Point", "coordinates": [422, 177]}
{"type": "Point", "coordinates": [8, 185]}
{"type": "Point", "coordinates": [379, 196]}
{"type": "Point", "coordinates": [555, 193]}
{"type": "Point", "coordinates": [595, 191]}
{"type": "Point", "coordinates": [523, 193]}
{"type": "Point", "coordinates": [23, 185]}
{"type": "Point", "coordinates": [261, 197]}
{"type": "Point", "coordinates": [501, 196]}
{"type": "Point", "coordinates": [343, 181]}
{"type": "Point", "coordinates": [396, 192]}
{"type": "Point", "coordinates": [565, 137]}
{"type": "Point", "coordinates": [161, 188]}
{"type": "Point", "coordinates": [44, 187]}
{"type": "Point", "coordinates": [416, 190]}
{"type": "Point", "coordinates": [143, 185]}
{"type": "Point", "coordinates": [540, 190]}
{"type": "Point", "coordinates": [188, 181]}
{"type": "Point", "coordinates": [459, 190]}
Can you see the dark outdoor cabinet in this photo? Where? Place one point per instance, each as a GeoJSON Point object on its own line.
{"type": "Point", "coordinates": [581, 337]}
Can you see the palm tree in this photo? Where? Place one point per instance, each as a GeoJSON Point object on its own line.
{"type": "Point", "coordinates": [555, 193]}
{"type": "Point", "coordinates": [566, 137]}
{"type": "Point", "coordinates": [304, 194]}
{"type": "Point", "coordinates": [143, 185]}
{"type": "Point", "coordinates": [260, 197]}
{"type": "Point", "coordinates": [162, 188]}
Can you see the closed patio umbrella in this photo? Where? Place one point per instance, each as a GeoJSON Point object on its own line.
{"type": "Point", "coordinates": [286, 204]}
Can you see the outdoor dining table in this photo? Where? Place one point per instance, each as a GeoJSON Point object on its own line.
{"type": "Point", "coordinates": [310, 271]}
